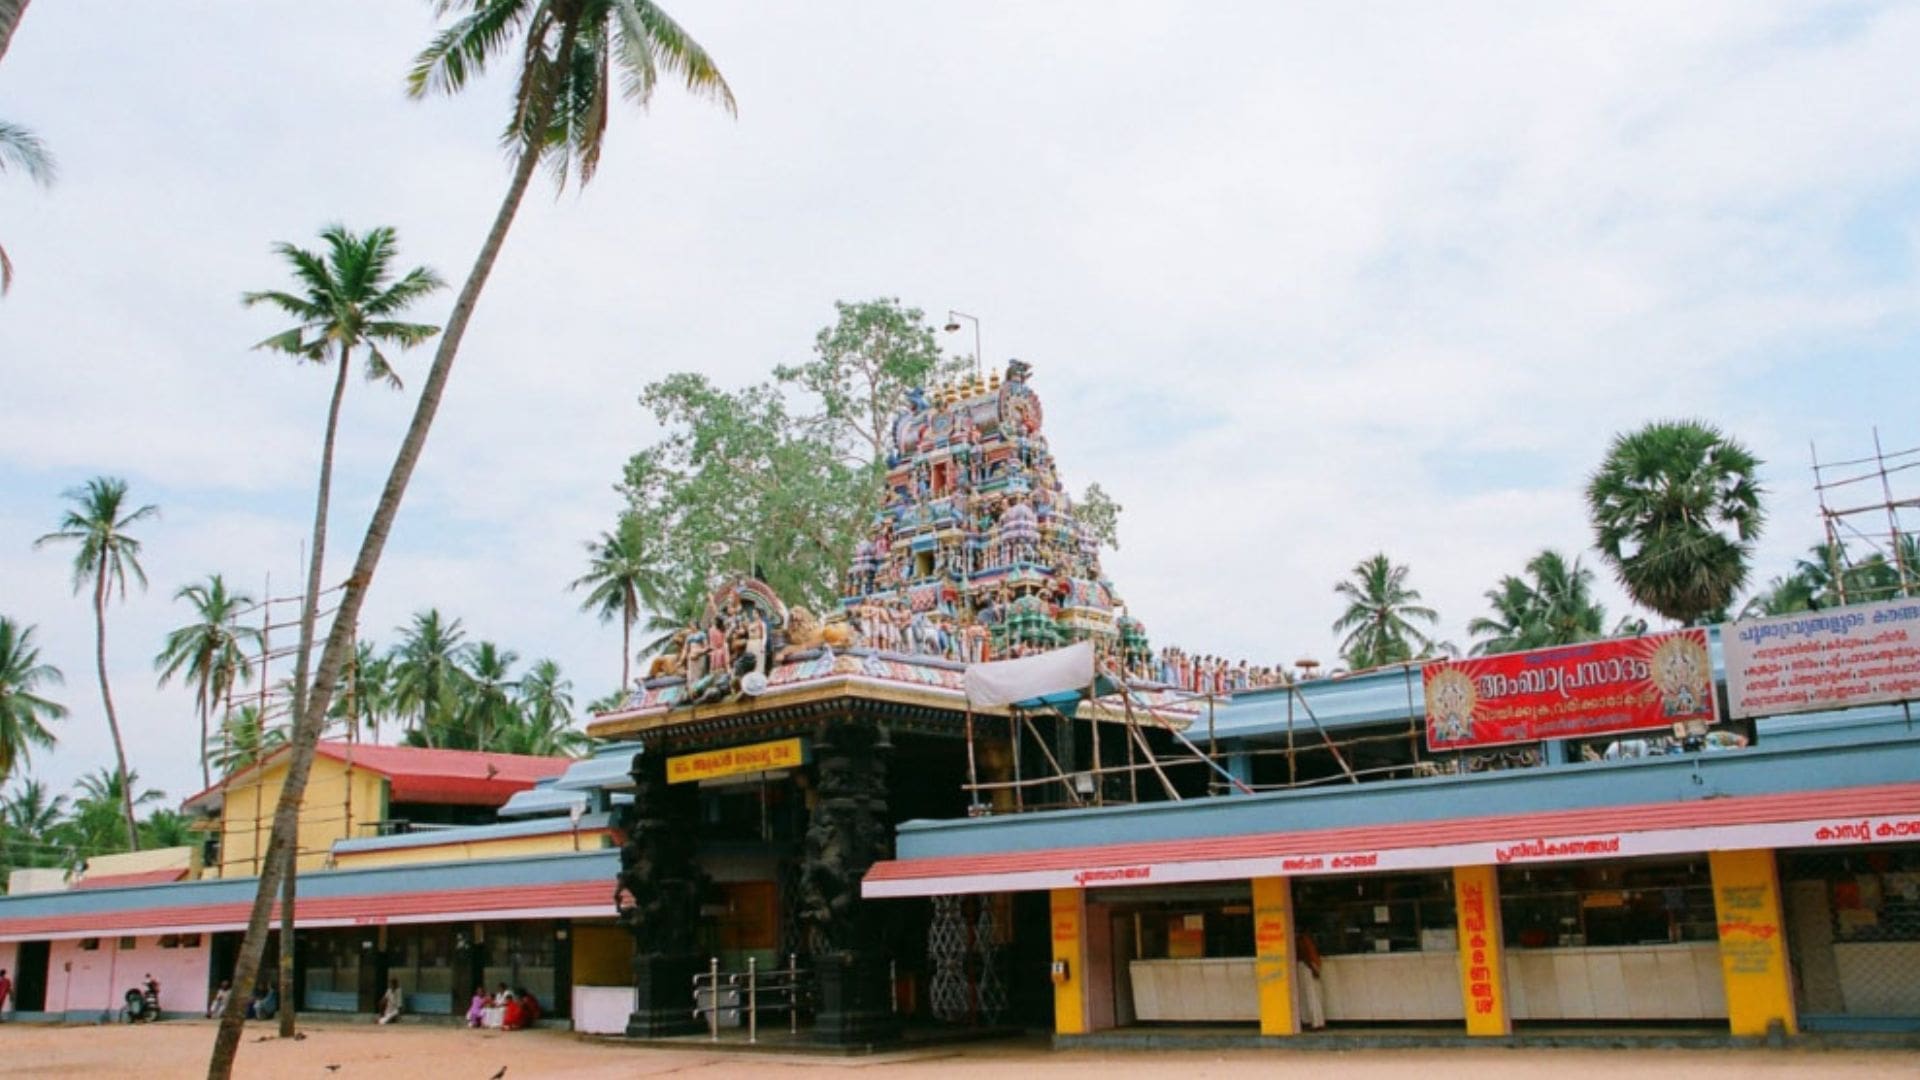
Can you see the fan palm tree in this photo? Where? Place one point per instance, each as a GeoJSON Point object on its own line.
{"type": "Point", "coordinates": [428, 676]}
{"type": "Point", "coordinates": [210, 651]}
{"type": "Point", "coordinates": [347, 299]}
{"type": "Point", "coordinates": [23, 150]}
{"type": "Point", "coordinates": [567, 50]}
{"type": "Point", "coordinates": [98, 522]}
{"type": "Point", "coordinates": [1380, 616]}
{"type": "Point", "coordinates": [24, 714]}
{"type": "Point", "coordinates": [1675, 509]}
{"type": "Point", "coordinates": [621, 579]}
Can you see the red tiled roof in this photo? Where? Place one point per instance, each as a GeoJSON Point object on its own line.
{"type": "Point", "coordinates": [335, 910]}
{"type": "Point", "coordinates": [1838, 804]}
{"type": "Point", "coordinates": [420, 775]}
{"type": "Point", "coordinates": [121, 881]}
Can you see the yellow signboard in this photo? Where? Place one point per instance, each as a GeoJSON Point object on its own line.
{"type": "Point", "coordinates": [734, 760]}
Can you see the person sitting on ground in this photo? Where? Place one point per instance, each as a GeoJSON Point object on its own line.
{"type": "Point", "coordinates": [391, 1002]}
{"type": "Point", "coordinates": [218, 1003]}
{"type": "Point", "coordinates": [269, 1005]}
{"type": "Point", "coordinates": [529, 1007]}
{"type": "Point", "coordinates": [477, 1008]}
{"type": "Point", "coordinates": [496, 1014]}
{"type": "Point", "coordinates": [515, 1016]}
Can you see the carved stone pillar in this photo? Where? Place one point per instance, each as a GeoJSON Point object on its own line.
{"type": "Point", "coordinates": [849, 832]}
{"type": "Point", "coordinates": [658, 897]}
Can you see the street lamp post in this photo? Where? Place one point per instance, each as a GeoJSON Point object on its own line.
{"type": "Point", "coordinates": [953, 326]}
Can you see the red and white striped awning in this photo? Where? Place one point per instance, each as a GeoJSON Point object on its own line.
{"type": "Point", "coordinates": [1830, 818]}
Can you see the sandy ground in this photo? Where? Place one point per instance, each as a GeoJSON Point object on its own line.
{"type": "Point", "coordinates": [179, 1049]}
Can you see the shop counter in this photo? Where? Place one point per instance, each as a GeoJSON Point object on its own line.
{"type": "Point", "coordinates": [1215, 988]}
{"type": "Point", "coordinates": [1392, 986]}
{"type": "Point", "coordinates": [1622, 982]}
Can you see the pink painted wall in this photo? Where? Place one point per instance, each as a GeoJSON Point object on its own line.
{"type": "Point", "coordinates": [9, 963]}
{"type": "Point", "coordinates": [84, 983]}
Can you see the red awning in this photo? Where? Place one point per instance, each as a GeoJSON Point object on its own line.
{"type": "Point", "coordinates": [1798, 819]}
{"type": "Point", "coordinates": [576, 899]}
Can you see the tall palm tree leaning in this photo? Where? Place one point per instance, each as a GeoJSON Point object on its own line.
{"type": "Point", "coordinates": [1381, 611]}
{"type": "Point", "coordinates": [346, 300]}
{"type": "Point", "coordinates": [1676, 509]}
{"type": "Point", "coordinates": [98, 522]}
{"type": "Point", "coordinates": [209, 652]}
{"type": "Point", "coordinates": [619, 581]}
{"type": "Point", "coordinates": [24, 714]}
{"type": "Point", "coordinates": [566, 50]}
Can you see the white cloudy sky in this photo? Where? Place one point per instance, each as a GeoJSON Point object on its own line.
{"type": "Point", "coordinates": [1300, 283]}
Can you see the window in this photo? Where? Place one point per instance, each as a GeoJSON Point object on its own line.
{"type": "Point", "coordinates": [169, 941]}
{"type": "Point", "coordinates": [1390, 913]}
{"type": "Point", "coordinates": [128, 944]}
{"type": "Point", "coordinates": [89, 944]}
{"type": "Point", "coordinates": [1624, 902]}
{"type": "Point", "coordinates": [189, 941]}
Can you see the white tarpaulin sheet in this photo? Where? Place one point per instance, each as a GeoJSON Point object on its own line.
{"type": "Point", "coordinates": [1004, 682]}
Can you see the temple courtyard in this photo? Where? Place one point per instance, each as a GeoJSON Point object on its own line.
{"type": "Point", "coordinates": [179, 1049]}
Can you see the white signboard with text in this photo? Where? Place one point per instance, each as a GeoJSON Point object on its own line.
{"type": "Point", "coordinates": [1857, 655]}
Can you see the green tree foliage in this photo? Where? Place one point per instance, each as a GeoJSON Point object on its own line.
{"type": "Point", "coordinates": [739, 485]}
{"type": "Point", "coordinates": [97, 523]}
{"type": "Point", "coordinates": [30, 824]}
{"type": "Point", "coordinates": [1380, 616]}
{"type": "Point", "coordinates": [1098, 511]}
{"type": "Point", "coordinates": [862, 367]}
{"type": "Point", "coordinates": [242, 740]}
{"type": "Point", "coordinates": [21, 149]}
{"type": "Point", "coordinates": [94, 826]}
{"type": "Point", "coordinates": [1554, 605]}
{"type": "Point", "coordinates": [366, 693]}
{"type": "Point", "coordinates": [1676, 509]}
{"type": "Point", "coordinates": [1830, 576]}
{"type": "Point", "coordinates": [209, 652]}
{"type": "Point", "coordinates": [24, 713]}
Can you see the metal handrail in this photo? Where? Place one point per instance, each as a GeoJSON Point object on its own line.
{"type": "Point", "coordinates": [790, 990]}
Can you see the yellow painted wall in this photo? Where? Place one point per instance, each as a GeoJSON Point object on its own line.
{"type": "Point", "coordinates": [1483, 977]}
{"type": "Point", "coordinates": [1753, 951]}
{"type": "Point", "coordinates": [452, 851]}
{"type": "Point", "coordinates": [1069, 932]}
{"type": "Point", "coordinates": [141, 862]}
{"type": "Point", "coordinates": [602, 955]}
{"type": "Point", "coordinates": [334, 801]}
{"type": "Point", "coordinates": [1273, 944]}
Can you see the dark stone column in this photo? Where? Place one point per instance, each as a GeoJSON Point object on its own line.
{"type": "Point", "coordinates": [849, 832]}
{"type": "Point", "coordinates": [658, 897]}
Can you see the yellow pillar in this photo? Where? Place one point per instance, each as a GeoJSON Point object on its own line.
{"type": "Point", "coordinates": [1069, 911]}
{"type": "Point", "coordinates": [1753, 949]}
{"type": "Point", "coordinates": [1483, 977]}
{"type": "Point", "coordinates": [1273, 965]}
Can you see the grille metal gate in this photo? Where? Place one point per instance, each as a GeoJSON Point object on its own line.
{"type": "Point", "coordinates": [1853, 935]}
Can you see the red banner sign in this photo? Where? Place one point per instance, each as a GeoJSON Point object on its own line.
{"type": "Point", "coordinates": [1629, 684]}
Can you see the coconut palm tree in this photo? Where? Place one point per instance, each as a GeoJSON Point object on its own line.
{"type": "Point", "coordinates": [30, 827]}
{"type": "Point", "coordinates": [211, 651]}
{"type": "Point", "coordinates": [546, 714]}
{"type": "Point", "coordinates": [166, 828]}
{"type": "Point", "coordinates": [567, 51]}
{"type": "Point", "coordinates": [366, 696]}
{"type": "Point", "coordinates": [94, 826]}
{"type": "Point", "coordinates": [24, 714]}
{"type": "Point", "coordinates": [1554, 607]}
{"type": "Point", "coordinates": [347, 299]}
{"type": "Point", "coordinates": [621, 579]}
{"type": "Point", "coordinates": [1675, 509]}
{"type": "Point", "coordinates": [429, 679]}
{"type": "Point", "coordinates": [488, 710]}
{"type": "Point", "coordinates": [98, 522]}
{"type": "Point", "coordinates": [1380, 616]}
{"type": "Point", "coordinates": [21, 149]}
{"type": "Point", "coordinates": [243, 740]}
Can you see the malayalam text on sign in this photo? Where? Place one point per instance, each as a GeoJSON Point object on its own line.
{"type": "Point", "coordinates": [1863, 654]}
